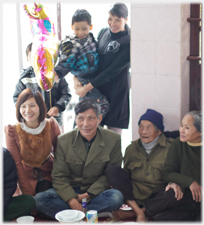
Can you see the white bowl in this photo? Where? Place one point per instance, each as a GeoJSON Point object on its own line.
{"type": "Point", "coordinates": [68, 215]}
{"type": "Point", "coordinates": [79, 218]}
{"type": "Point", "coordinates": [25, 219]}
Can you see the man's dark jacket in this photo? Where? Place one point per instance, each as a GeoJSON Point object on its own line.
{"type": "Point", "coordinates": [60, 93]}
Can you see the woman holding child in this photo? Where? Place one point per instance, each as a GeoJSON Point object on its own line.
{"type": "Point", "coordinates": [32, 142]}
{"type": "Point", "coordinates": [113, 73]}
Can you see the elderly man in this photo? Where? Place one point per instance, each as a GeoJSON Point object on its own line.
{"type": "Point", "coordinates": [144, 161]}
{"type": "Point", "coordinates": [81, 158]}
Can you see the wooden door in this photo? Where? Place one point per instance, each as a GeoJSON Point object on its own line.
{"type": "Point", "coordinates": [195, 57]}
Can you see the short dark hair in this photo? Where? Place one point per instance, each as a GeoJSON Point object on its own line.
{"type": "Point", "coordinates": [119, 10]}
{"type": "Point", "coordinates": [81, 15]}
{"type": "Point", "coordinates": [86, 104]}
{"type": "Point", "coordinates": [24, 96]}
{"type": "Point", "coordinates": [29, 48]}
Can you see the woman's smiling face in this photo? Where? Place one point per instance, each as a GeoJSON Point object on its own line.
{"type": "Point", "coordinates": [116, 24]}
{"type": "Point", "coordinates": [30, 112]}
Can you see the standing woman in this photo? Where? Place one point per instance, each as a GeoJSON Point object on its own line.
{"type": "Point", "coordinates": [32, 143]}
{"type": "Point", "coordinates": [113, 74]}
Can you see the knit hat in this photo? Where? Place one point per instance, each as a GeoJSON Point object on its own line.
{"type": "Point", "coordinates": [153, 116]}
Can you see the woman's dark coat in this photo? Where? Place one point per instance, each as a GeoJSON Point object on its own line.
{"type": "Point", "coordinates": [113, 75]}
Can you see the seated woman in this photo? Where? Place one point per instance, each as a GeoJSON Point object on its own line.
{"type": "Point", "coordinates": [32, 143]}
{"type": "Point", "coordinates": [182, 197]}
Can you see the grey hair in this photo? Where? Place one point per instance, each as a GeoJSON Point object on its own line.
{"type": "Point", "coordinates": [156, 128]}
{"type": "Point", "coordinates": [197, 117]}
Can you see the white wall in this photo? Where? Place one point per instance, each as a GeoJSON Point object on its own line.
{"type": "Point", "coordinates": [160, 71]}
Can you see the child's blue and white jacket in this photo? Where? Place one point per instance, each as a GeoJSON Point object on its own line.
{"type": "Point", "coordinates": [78, 56]}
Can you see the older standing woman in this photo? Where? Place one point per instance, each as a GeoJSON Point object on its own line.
{"type": "Point", "coordinates": [32, 142]}
{"type": "Point", "coordinates": [113, 74]}
{"type": "Point", "coordinates": [182, 197]}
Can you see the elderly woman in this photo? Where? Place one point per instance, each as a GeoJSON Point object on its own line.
{"type": "Point", "coordinates": [182, 197]}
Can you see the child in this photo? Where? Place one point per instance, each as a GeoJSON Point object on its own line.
{"type": "Point", "coordinates": [60, 93]}
{"type": "Point", "coordinates": [78, 55]}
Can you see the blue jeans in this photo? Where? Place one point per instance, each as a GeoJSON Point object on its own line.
{"type": "Point", "coordinates": [49, 203]}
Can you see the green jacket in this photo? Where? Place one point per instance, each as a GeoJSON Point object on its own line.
{"type": "Point", "coordinates": [183, 164]}
{"type": "Point", "coordinates": [145, 171]}
{"type": "Point", "coordinates": [73, 167]}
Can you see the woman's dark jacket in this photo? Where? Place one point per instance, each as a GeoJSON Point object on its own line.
{"type": "Point", "coordinates": [10, 177]}
{"type": "Point", "coordinates": [113, 75]}
{"type": "Point", "coordinates": [60, 93]}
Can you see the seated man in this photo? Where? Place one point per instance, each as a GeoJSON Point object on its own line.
{"type": "Point", "coordinates": [21, 205]}
{"type": "Point", "coordinates": [81, 158]}
{"type": "Point", "coordinates": [144, 160]}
